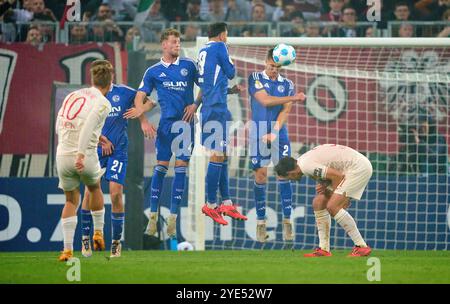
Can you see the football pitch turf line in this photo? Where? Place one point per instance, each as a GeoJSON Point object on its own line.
{"type": "Point", "coordinates": [227, 266]}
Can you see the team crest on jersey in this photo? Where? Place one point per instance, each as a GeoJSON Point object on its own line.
{"type": "Point", "coordinates": [116, 98]}
{"type": "Point", "coordinates": [258, 84]}
{"type": "Point", "coordinates": [281, 89]}
{"type": "Point", "coordinates": [184, 72]}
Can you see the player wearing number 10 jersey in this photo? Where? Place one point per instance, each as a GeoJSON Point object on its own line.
{"type": "Point", "coordinates": [79, 123]}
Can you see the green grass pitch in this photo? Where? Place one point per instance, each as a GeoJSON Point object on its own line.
{"type": "Point", "coordinates": [225, 266]}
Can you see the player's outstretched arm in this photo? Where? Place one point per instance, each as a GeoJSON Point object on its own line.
{"type": "Point", "coordinates": [147, 128]}
{"type": "Point", "coordinates": [139, 102]}
{"type": "Point", "coordinates": [271, 101]}
{"type": "Point", "coordinates": [281, 120]}
{"type": "Point", "coordinates": [133, 112]}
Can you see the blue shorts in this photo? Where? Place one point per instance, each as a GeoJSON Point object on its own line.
{"type": "Point", "coordinates": [261, 154]}
{"type": "Point", "coordinates": [214, 127]}
{"type": "Point", "coordinates": [174, 137]}
{"type": "Point", "coordinates": [116, 166]}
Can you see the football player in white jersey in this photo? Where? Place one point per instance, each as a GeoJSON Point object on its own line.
{"type": "Point", "coordinates": [79, 125]}
{"type": "Point", "coordinates": [342, 174]}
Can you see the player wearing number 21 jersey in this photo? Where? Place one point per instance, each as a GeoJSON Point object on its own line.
{"type": "Point", "coordinates": [113, 156]}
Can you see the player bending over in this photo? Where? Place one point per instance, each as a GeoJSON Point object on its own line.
{"type": "Point", "coordinates": [215, 68]}
{"type": "Point", "coordinates": [79, 124]}
{"type": "Point", "coordinates": [271, 97]}
{"type": "Point", "coordinates": [173, 78]}
{"type": "Point", "coordinates": [342, 173]}
{"type": "Point", "coordinates": [113, 155]}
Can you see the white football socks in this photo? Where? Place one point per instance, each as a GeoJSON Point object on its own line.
{"type": "Point", "coordinates": [69, 225]}
{"type": "Point", "coordinates": [346, 221]}
{"type": "Point", "coordinates": [98, 218]}
{"type": "Point", "coordinates": [227, 202]}
{"type": "Point", "coordinates": [323, 222]}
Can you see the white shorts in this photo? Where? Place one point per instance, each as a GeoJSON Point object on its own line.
{"type": "Point", "coordinates": [69, 178]}
{"type": "Point", "coordinates": [356, 180]}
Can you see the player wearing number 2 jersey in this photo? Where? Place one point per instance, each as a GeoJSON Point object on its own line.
{"type": "Point", "coordinates": [79, 123]}
{"type": "Point", "coordinates": [271, 97]}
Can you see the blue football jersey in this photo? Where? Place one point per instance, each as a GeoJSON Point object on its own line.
{"type": "Point", "coordinates": [174, 84]}
{"type": "Point", "coordinates": [280, 87]}
{"type": "Point", "coordinates": [215, 68]}
{"type": "Point", "coordinates": [121, 98]}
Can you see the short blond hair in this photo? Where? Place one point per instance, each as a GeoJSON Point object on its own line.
{"type": "Point", "coordinates": [101, 73]}
{"type": "Point", "coordinates": [169, 32]}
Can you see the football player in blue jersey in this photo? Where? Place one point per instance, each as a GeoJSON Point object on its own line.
{"type": "Point", "coordinates": [271, 99]}
{"type": "Point", "coordinates": [113, 156]}
{"type": "Point", "coordinates": [215, 68]}
{"type": "Point", "coordinates": [173, 78]}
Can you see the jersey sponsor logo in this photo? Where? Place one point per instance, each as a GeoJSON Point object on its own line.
{"type": "Point", "coordinates": [116, 98]}
{"type": "Point", "coordinates": [175, 85]}
{"type": "Point", "coordinates": [115, 111]}
{"type": "Point", "coordinates": [280, 89]}
{"type": "Point", "coordinates": [184, 72]}
{"type": "Point", "coordinates": [162, 75]}
{"type": "Point", "coordinates": [258, 84]}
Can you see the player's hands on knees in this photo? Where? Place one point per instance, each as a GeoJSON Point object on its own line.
{"type": "Point", "coordinates": [79, 163]}
{"type": "Point", "coordinates": [321, 188]}
{"type": "Point", "coordinates": [300, 96]}
{"type": "Point", "coordinates": [133, 113]}
{"type": "Point", "coordinates": [268, 138]}
{"type": "Point", "coordinates": [107, 147]}
{"type": "Point", "coordinates": [148, 129]}
{"type": "Point", "coordinates": [189, 112]}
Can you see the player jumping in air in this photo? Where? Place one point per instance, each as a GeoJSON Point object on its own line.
{"type": "Point", "coordinates": [342, 174]}
{"type": "Point", "coordinates": [173, 78]}
{"type": "Point", "coordinates": [78, 125]}
{"type": "Point", "coordinates": [113, 155]}
{"type": "Point", "coordinates": [215, 68]}
{"type": "Point", "coordinates": [271, 97]}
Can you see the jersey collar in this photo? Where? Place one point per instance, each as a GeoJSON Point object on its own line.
{"type": "Point", "coordinates": [166, 65]}
{"type": "Point", "coordinates": [264, 75]}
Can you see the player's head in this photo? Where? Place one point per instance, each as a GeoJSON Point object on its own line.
{"type": "Point", "coordinates": [272, 69]}
{"type": "Point", "coordinates": [288, 168]}
{"type": "Point", "coordinates": [102, 74]}
{"type": "Point", "coordinates": [218, 31]}
{"type": "Point", "coordinates": [170, 42]}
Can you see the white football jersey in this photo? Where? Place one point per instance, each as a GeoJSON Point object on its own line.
{"type": "Point", "coordinates": [315, 162]}
{"type": "Point", "coordinates": [80, 121]}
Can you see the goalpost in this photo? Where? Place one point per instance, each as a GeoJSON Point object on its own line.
{"type": "Point", "coordinates": [371, 94]}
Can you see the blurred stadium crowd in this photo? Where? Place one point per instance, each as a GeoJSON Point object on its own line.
{"type": "Point", "coordinates": [38, 21]}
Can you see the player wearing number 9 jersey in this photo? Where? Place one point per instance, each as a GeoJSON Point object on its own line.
{"type": "Point", "coordinates": [78, 126]}
{"type": "Point", "coordinates": [215, 69]}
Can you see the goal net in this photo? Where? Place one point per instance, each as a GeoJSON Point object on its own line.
{"type": "Point", "coordinates": [388, 99]}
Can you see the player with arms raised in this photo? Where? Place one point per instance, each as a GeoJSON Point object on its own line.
{"type": "Point", "coordinates": [215, 68]}
{"type": "Point", "coordinates": [113, 155]}
{"type": "Point", "coordinates": [173, 78]}
{"type": "Point", "coordinates": [79, 125]}
{"type": "Point", "coordinates": [342, 174]}
{"type": "Point", "coordinates": [271, 98]}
